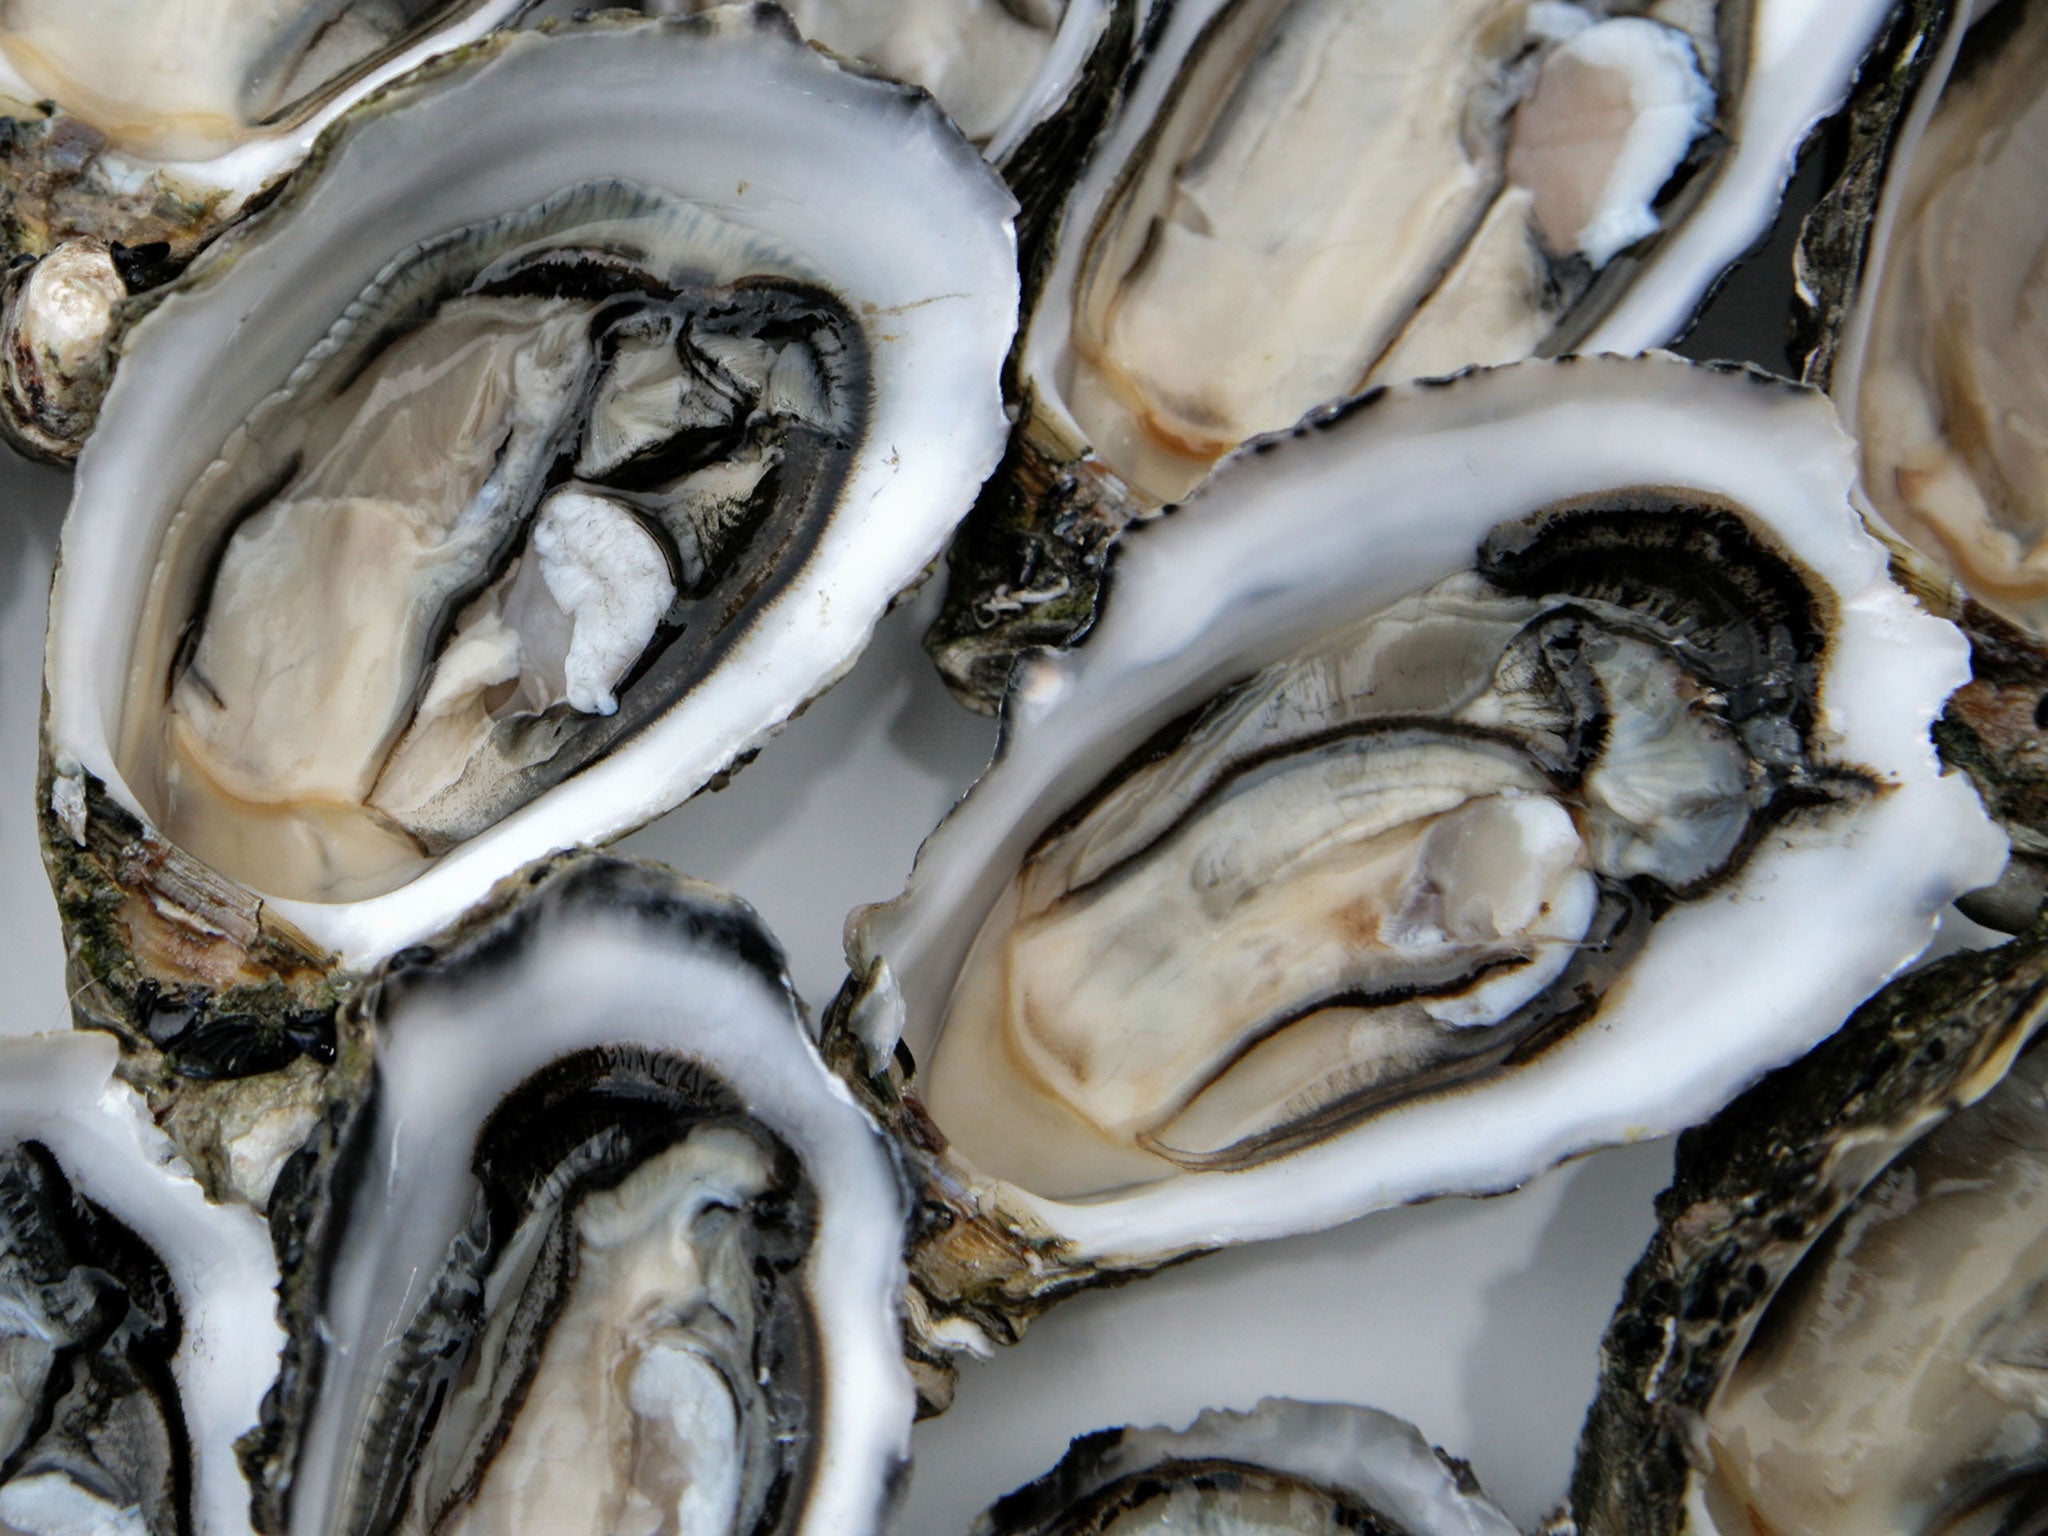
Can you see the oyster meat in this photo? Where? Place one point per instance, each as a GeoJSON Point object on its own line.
{"type": "Point", "coordinates": [173, 81]}
{"type": "Point", "coordinates": [587, 464]}
{"type": "Point", "coordinates": [1241, 272]}
{"type": "Point", "coordinates": [1397, 860]}
{"type": "Point", "coordinates": [1027, 80]}
{"type": "Point", "coordinates": [980, 58]}
{"type": "Point", "coordinates": [627, 449]}
{"type": "Point", "coordinates": [1939, 367]}
{"type": "Point", "coordinates": [1274, 219]}
{"type": "Point", "coordinates": [1937, 1275]}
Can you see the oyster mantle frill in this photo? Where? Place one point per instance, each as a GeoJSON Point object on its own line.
{"type": "Point", "coordinates": [1923, 271]}
{"type": "Point", "coordinates": [619, 435]}
{"type": "Point", "coordinates": [1674, 758]}
{"type": "Point", "coordinates": [1398, 860]}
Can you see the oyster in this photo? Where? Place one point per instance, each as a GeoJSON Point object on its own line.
{"type": "Point", "coordinates": [190, 83]}
{"type": "Point", "coordinates": [1388, 838]}
{"type": "Point", "coordinates": [627, 447]}
{"type": "Point", "coordinates": [138, 130]}
{"type": "Point", "coordinates": [1272, 220]}
{"type": "Point", "coordinates": [591, 461]}
{"type": "Point", "coordinates": [1002, 69]}
{"type": "Point", "coordinates": [602, 1248]}
{"type": "Point", "coordinates": [1931, 330]}
{"type": "Point", "coordinates": [1923, 347]}
{"type": "Point", "coordinates": [135, 1341]}
{"type": "Point", "coordinates": [1838, 1325]}
{"type": "Point", "coordinates": [1282, 1467]}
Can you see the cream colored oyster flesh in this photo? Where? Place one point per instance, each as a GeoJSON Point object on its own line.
{"type": "Point", "coordinates": [628, 368]}
{"type": "Point", "coordinates": [1365, 873]}
{"type": "Point", "coordinates": [978, 57]}
{"type": "Point", "coordinates": [573, 465]}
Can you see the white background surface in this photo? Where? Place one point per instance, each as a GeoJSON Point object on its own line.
{"type": "Point", "coordinates": [1477, 1319]}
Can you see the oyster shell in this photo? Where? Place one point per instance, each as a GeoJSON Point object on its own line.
{"type": "Point", "coordinates": [1928, 329]}
{"type": "Point", "coordinates": [727, 403]}
{"type": "Point", "coordinates": [195, 82]}
{"type": "Point", "coordinates": [1283, 1466]}
{"type": "Point", "coordinates": [1458, 1019]}
{"type": "Point", "coordinates": [1899, 325]}
{"type": "Point", "coordinates": [1837, 1325]}
{"type": "Point", "coordinates": [325, 742]}
{"type": "Point", "coordinates": [1003, 71]}
{"type": "Point", "coordinates": [633, 1254]}
{"type": "Point", "coordinates": [135, 1333]}
{"type": "Point", "coordinates": [1271, 220]}
{"type": "Point", "coordinates": [56, 325]}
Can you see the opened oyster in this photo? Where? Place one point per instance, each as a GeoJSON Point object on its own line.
{"type": "Point", "coordinates": [1911, 322]}
{"type": "Point", "coordinates": [1282, 1467]}
{"type": "Point", "coordinates": [135, 1333]}
{"type": "Point", "coordinates": [625, 440]}
{"type": "Point", "coordinates": [1389, 837]}
{"type": "Point", "coordinates": [602, 1247]}
{"type": "Point", "coordinates": [136, 131]}
{"type": "Point", "coordinates": [1003, 70]}
{"type": "Point", "coordinates": [1933, 321]}
{"type": "Point", "coordinates": [1838, 1326]}
{"type": "Point", "coordinates": [1273, 219]}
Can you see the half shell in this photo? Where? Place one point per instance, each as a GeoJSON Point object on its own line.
{"type": "Point", "coordinates": [1455, 1074]}
{"type": "Point", "coordinates": [1847, 1274]}
{"type": "Point", "coordinates": [1282, 1466]}
{"type": "Point", "coordinates": [601, 1246]}
{"type": "Point", "coordinates": [1272, 220]}
{"type": "Point", "coordinates": [718, 159]}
